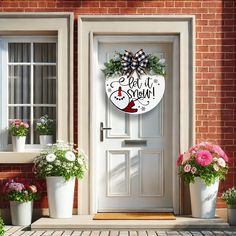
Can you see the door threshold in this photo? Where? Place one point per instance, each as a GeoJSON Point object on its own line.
{"type": "Point", "coordinates": [86, 222]}
{"type": "Point", "coordinates": [157, 210]}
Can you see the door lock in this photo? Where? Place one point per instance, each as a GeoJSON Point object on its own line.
{"type": "Point", "coordinates": [101, 131]}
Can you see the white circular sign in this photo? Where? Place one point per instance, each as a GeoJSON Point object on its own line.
{"type": "Point", "coordinates": [135, 95]}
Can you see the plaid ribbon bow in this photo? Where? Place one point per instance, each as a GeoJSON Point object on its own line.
{"type": "Point", "coordinates": [136, 62]}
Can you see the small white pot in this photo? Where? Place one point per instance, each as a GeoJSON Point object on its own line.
{"type": "Point", "coordinates": [18, 143]}
{"type": "Point", "coordinates": [231, 215]}
{"type": "Point", "coordinates": [203, 198]}
{"type": "Point", "coordinates": [21, 213]}
{"type": "Point", "coordinates": [45, 139]}
{"type": "Point", "coordinates": [60, 196]}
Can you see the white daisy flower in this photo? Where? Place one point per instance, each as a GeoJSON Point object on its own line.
{"type": "Point", "coordinates": [51, 157]}
{"type": "Point", "coordinates": [80, 161]}
{"type": "Point", "coordinates": [70, 156]}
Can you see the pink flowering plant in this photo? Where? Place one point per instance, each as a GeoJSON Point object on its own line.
{"type": "Point", "coordinates": [205, 160]}
{"type": "Point", "coordinates": [18, 128]}
{"type": "Point", "coordinates": [21, 190]}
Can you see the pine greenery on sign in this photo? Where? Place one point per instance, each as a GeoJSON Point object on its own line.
{"type": "Point", "coordinates": [2, 231]}
{"type": "Point", "coordinates": [61, 159]}
{"type": "Point", "coordinates": [154, 66]}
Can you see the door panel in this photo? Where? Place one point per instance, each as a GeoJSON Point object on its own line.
{"type": "Point", "coordinates": [133, 177]}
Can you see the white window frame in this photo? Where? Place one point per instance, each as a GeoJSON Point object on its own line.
{"type": "Point", "coordinates": [5, 88]}
{"type": "Point", "coordinates": [46, 24]}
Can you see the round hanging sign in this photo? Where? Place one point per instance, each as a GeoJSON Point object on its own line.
{"type": "Point", "coordinates": [135, 95]}
{"type": "Point", "coordinates": [135, 83]}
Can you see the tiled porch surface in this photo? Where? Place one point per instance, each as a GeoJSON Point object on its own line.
{"type": "Point", "coordinates": [21, 231]}
{"type": "Point", "coordinates": [86, 222]}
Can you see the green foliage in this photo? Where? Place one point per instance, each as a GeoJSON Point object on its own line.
{"type": "Point", "coordinates": [2, 231]}
{"type": "Point", "coordinates": [156, 65]}
{"type": "Point", "coordinates": [23, 196]}
{"type": "Point", "coordinates": [18, 128]}
{"type": "Point", "coordinates": [229, 197]}
{"type": "Point", "coordinates": [61, 160]}
{"type": "Point", "coordinates": [45, 126]}
{"type": "Point", "coordinates": [206, 173]}
{"type": "Point", "coordinates": [113, 67]}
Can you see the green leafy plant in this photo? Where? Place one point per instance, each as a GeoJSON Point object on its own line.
{"type": "Point", "coordinates": [61, 159]}
{"type": "Point", "coordinates": [114, 67]}
{"type": "Point", "coordinates": [45, 126]}
{"type": "Point", "coordinates": [204, 160]}
{"type": "Point", "coordinates": [18, 128]}
{"type": "Point", "coordinates": [229, 197]}
{"type": "Point", "coordinates": [2, 231]}
{"type": "Point", "coordinates": [21, 190]}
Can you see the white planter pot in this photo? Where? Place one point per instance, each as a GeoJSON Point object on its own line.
{"type": "Point", "coordinates": [21, 212]}
{"type": "Point", "coordinates": [18, 143]}
{"type": "Point", "coordinates": [45, 139]}
{"type": "Point", "coordinates": [60, 196]}
{"type": "Point", "coordinates": [203, 198]}
{"type": "Point", "coordinates": [232, 216]}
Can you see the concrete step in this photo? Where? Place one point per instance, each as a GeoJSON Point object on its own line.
{"type": "Point", "coordinates": [86, 222]}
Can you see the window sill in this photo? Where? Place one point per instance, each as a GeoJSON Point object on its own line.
{"type": "Point", "coordinates": [18, 157]}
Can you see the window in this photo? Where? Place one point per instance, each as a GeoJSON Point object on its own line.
{"type": "Point", "coordinates": [36, 77]}
{"type": "Point", "coordinates": [31, 92]}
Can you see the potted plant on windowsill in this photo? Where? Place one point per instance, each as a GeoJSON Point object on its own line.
{"type": "Point", "coordinates": [21, 194]}
{"type": "Point", "coordinates": [60, 164]}
{"type": "Point", "coordinates": [229, 197]}
{"type": "Point", "coordinates": [45, 128]}
{"type": "Point", "coordinates": [18, 130]}
{"type": "Point", "coordinates": [202, 166]}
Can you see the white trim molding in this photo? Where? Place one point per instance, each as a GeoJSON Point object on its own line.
{"type": "Point", "coordinates": [59, 25]}
{"type": "Point", "coordinates": [183, 129]}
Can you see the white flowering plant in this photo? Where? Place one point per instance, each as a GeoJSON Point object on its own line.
{"type": "Point", "coordinates": [61, 159]}
{"type": "Point", "coordinates": [45, 126]}
{"type": "Point", "coordinates": [229, 197]}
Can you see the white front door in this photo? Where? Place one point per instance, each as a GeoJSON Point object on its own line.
{"type": "Point", "coordinates": [133, 159]}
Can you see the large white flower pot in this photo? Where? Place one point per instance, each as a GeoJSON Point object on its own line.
{"type": "Point", "coordinates": [60, 196]}
{"type": "Point", "coordinates": [18, 143]}
{"type": "Point", "coordinates": [45, 139]}
{"type": "Point", "coordinates": [21, 212]}
{"type": "Point", "coordinates": [232, 215]}
{"type": "Point", "coordinates": [203, 198]}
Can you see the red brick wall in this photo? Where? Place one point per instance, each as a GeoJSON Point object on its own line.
{"type": "Point", "coordinates": [215, 62]}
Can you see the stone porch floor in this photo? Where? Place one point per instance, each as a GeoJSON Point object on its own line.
{"type": "Point", "coordinates": [21, 231]}
{"type": "Point", "coordinates": [86, 222]}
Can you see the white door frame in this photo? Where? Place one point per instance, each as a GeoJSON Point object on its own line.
{"type": "Point", "coordinates": [183, 129]}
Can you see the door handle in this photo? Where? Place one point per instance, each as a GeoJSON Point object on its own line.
{"type": "Point", "coordinates": [102, 128]}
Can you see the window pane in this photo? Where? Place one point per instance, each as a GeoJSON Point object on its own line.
{"type": "Point", "coordinates": [40, 111]}
{"type": "Point", "coordinates": [19, 52]}
{"type": "Point", "coordinates": [44, 84]}
{"type": "Point", "coordinates": [19, 84]}
{"type": "Point", "coordinates": [45, 52]}
{"type": "Point", "coordinates": [22, 113]}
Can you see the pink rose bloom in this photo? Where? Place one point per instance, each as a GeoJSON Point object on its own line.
{"type": "Point", "coordinates": [204, 158]}
{"type": "Point", "coordinates": [217, 149]}
{"type": "Point", "coordinates": [186, 157]}
{"type": "Point", "coordinates": [187, 168]}
{"type": "Point", "coordinates": [193, 148]}
{"type": "Point", "coordinates": [26, 125]}
{"type": "Point", "coordinates": [179, 160]}
{"type": "Point", "coordinates": [193, 170]}
{"type": "Point", "coordinates": [17, 121]}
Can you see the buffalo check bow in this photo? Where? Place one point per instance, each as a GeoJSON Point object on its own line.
{"type": "Point", "coordinates": [137, 62]}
